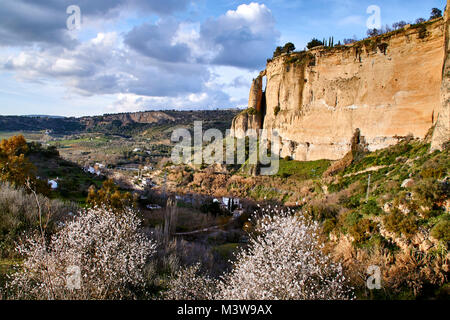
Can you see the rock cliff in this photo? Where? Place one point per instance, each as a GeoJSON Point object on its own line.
{"type": "Point", "coordinates": [387, 87]}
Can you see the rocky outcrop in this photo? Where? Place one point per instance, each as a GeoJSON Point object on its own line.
{"type": "Point", "coordinates": [256, 94]}
{"type": "Point", "coordinates": [388, 87]}
{"type": "Point", "coordinates": [252, 118]}
{"type": "Point", "coordinates": [441, 133]}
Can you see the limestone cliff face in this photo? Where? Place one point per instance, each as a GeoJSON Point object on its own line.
{"type": "Point", "coordinates": [252, 118]}
{"type": "Point", "coordinates": [441, 133]}
{"type": "Point", "coordinates": [386, 87]}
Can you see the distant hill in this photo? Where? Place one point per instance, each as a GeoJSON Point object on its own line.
{"type": "Point", "coordinates": [123, 123]}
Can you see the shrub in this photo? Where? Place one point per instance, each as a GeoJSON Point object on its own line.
{"type": "Point", "coordinates": [19, 213]}
{"type": "Point", "coordinates": [252, 111]}
{"type": "Point", "coordinates": [371, 208]}
{"type": "Point", "coordinates": [362, 230]}
{"type": "Point", "coordinates": [435, 13]}
{"type": "Point", "coordinates": [106, 247]}
{"type": "Point", "coordinates": [441, 231]}
{"type": "Point", "coordinates": [284, 261]}
{"type": "Point", "coordinates": [321, 211]}
{"type": "Point", "coordinates": [314, 43]}
{"type": "Point", "coordinates": [329, 225]}
{"type": "Point", "coordinates": [109, 196]}
{"type": "Point", "coordinates": [400, 224]}
{"type": "Point", "coordinates": [277, 110]}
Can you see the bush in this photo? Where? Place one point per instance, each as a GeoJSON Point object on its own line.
{"type": "Point", "coordinates": [314, 43]}
{"type": "Point", "coordinates": [362, 230]}
{"type": "Point", "coordinates": [19, 214]}
{"type": "Point", "coordinates": [251, 111]}
{"type": "Point", "coordinates": [277, 110]}
{"type": "Point", "coordinates": [435, 13]}
{"type": "Point", "coordinates": [371, 208]}
{"type": "Point", "coordinates": [400, 224]}
{"type": "Point", "coordinates": [320, 211]}
{"type": "Point", "coordinates": [441, 231]}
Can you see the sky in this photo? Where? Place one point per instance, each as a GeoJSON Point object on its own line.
{"type": "Point", "coordinates": [139, 55]}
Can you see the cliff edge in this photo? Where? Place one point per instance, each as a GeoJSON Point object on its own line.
{"type": "Point", "coordinates": [386, 87]}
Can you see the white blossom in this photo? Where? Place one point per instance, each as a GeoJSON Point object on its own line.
{"type": "Point", "coordinates": [107, 248]}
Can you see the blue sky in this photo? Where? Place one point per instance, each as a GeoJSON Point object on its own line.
{"type": "Point", "coordinates": [136, 55]}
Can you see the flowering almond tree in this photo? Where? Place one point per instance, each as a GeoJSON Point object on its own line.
{"type": "Point", "coordinates": [98, 255]}
{"type": "Point", "coordinates": [284, 262]}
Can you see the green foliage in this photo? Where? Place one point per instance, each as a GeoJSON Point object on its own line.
{"type": "Point", "coordinates": [371, 208]}
{"type": "Point", "coordinates": [400, 224]}
{"type": "Point", "coordinates": [277, 110]}
{"type": "Point", "coordinates": [435, 13]}
{"type": "Point", "coordinates": [329, 225]}
{"type": "Point", "coordinates": [252, 111]}
{"type": "Point", "coordinates": [314, 43]}
{"type": "Point", "coordinates": [441, 230]}
{"type": "Point", "coordinates": [321, 211]}
{"type": "Point", "coordinates": [212, 208]}
{"type": "Point", "coordinates": [352, 202]}
{"type": "Point", "coordinates": [362, 230]}
{"type": "Point", "coordinates": [287, 48]}
{"type": "Point", "coordinates": [303, 170]}
{"type": "Point", "coordinates": [110, 197]}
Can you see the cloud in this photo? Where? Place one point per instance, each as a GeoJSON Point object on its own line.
{"type": "Point", "coordinates": [204, 100]}
{"type": "Point", "coordinates": [165, 64]}
{"type": "Point", "coordinates": [156, 41]}
{"type": "Point", "coordinates": [242, 38]}
{"type": "Point", "coordinates": [103, 66]}
{"type": "Point", "coordinates": [27, 22]}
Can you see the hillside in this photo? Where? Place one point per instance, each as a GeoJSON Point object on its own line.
{"type": "Point", "coordinates": [127, 124]}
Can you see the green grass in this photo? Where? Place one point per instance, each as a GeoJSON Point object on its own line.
{"type": "Point", "coordinates": [303, 170]}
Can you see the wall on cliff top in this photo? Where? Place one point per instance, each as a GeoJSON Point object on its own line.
{"type": "Point", "coordinates": [387, 87]}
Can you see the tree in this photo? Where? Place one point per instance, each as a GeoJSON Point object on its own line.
{"type": "Point", "coordinates": [435, 13]}
{"type": "Point", "coordinates": [373, 32]}
{"type": "Point", "coordinates": [399, 25]}
{"type": "Point", "coordinates": [106, 254]}
{"type": "Point", "coordinates": [420, 20]}
{"type": "Point", "coordinates": [284, 261]}
{"type": "Point", "coordinates": [289, 47]}
{"type": "Point", "coordinates": [314, 43]}
{"type": "Point", "coordinates": [109, 196]}
{"type": "Point", "coordinates": [15, 168]}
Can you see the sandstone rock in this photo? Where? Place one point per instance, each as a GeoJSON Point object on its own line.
{"type": "Point", "coordinates": [425, 246]}
{"type": "Point", "coordinates": [387, 89]}
{"type": "Point", "coordinates": [387, 207]}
